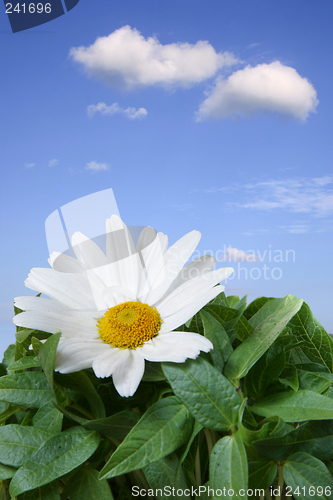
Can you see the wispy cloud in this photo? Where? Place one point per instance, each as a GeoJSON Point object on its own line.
{"type": "Point", "coordinates": [251, 232]}
{"type": "Point", "coordinates": [125, 59]}
{"type": "Point", "coordinates": [297, 228]}
{"type": "Point", "coordinates": [312, 195]}
{"type": "Point", "coordinates": [265, 88]}
{"type": "Point", "coordinates": [53, 163]}
{"type": "Point", "coordinates": [29, 165]}
{"type": "Point", "coordinates": [96, 167]}
{"type": "Point", "coordinates": [131, 113]}
{"type": "Point", "coordinates": [183, 207]}
{"type": "Point", "coordinates": [253, 45]}
{"type": "Point", "coordinates": [304, 195]}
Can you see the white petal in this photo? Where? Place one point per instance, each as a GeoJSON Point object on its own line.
{"type": "Point", "coordinates": [87, 251]}
{"type": "Point", "coordinates": [40, 304]}
{"type": "Point", "coordinates": [64, 263]}
{"type": "Point", "coordinates": [108, 362]}
{"type": "Point", "coordinates": [147, 236]}
{"type": "Point", "coordinates": [71, 289]}
{"type": "Point", "coordinates": [179, 318]}
{"type": "Point", "coordinates": [154, 262]}
{"type": "Point", "coordinates": [175, 258]}
{"type": "Point", "coordinates": [119, 243]}
{"type": "Point", "coordinates": [192, 289]}
{"type": "Point", "coordinates": [77, 354]}
{"type": "Point", "coordinates": [175, 347]}
{"type": "Point", "coordinates": [128, 270]}
{"type": "Point", "coordinates": [193, 270]}
{"type": "Point", "coordinates": [128, 375]}
{"type": "Point", "coordinates": [78, 325]}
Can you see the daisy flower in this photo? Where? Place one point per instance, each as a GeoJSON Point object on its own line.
{"type": "Point", "coordinates": [117, 309]}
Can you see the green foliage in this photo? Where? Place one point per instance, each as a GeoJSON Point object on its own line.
{"type": "Point", "coordinates": [256, 412]}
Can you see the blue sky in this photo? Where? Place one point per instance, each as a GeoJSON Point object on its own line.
{"type": "Point", "coordinates": [211, 115]}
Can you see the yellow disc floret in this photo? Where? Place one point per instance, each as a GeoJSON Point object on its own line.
{"type": "Point", "coordinates": [129, 325]}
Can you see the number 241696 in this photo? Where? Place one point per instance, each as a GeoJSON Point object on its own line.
{"type": "Point", "coordinates": [29, 8]}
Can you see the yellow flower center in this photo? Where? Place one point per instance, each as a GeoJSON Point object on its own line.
{"type": "Point", "coordinates": [129, 325]}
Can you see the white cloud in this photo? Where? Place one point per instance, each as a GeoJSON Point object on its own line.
{"type": "Point", "coordinates": [29, 165]}
{"type": "Point", "coordinates": [96, 167]}
{"type": "Point", "coordinates": [53, 163]}
{"type": "Point", "coordinates": [266, 88]}
{"type": "Point", "coordinates": [101, 107]}
{"type": "Point", "coordinates": [233, 254]}
{"type": "Point", "coordinates": [127, 60]}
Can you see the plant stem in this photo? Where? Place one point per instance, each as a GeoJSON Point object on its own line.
{"type": "Point", "coordinates": [209, 440]}
{"type": "Point", "coordinates": [280, 482]}
{"type": "Point", "coordinates": [197, 467]}
{"type": "Point", "coordinates": [82, 410]}
{"type": "Point", "coordinates": [240, 393]}
{"type": "Point", "coordinates": [267, 494]}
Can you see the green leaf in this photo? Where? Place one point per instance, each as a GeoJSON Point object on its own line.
{"type": "Point", "coordinates": [116, 426]}
{"type": "Point", "coordinates": [30, 389]}
{"type": "Point", "coordinates": [80, 382]}
{"type": "Point", "coordinates": [8, 413]}
{"type": "Point", "coordinates": [262, 337]}
{"type": "Point", "coordinates": [295, 406]}
{"type": "Point", "coordinates": [22, 335]}
{"type": "Point", "coordinates": [209, 396]}
{"type": "Point", "coordinates": [163, 428]}
{"type": "Point", "coordinates": [18, 443]}
{"type": "Point", "coordinates": [179, 473]}
{"type": "Point", "coordinates": [263, 373]}
{"type": "Point", "coordinates": [220, 300]}
{"type": "Point", "coordinates": [36, 345]}
{"type": "Point", "coordinates": [233, 300]}
{"type": "Point", "coordinates": [314, 381]}
{"type": "Point", "coordinates": [196, 325]}
{"type": "Point", "coordinates": [162, 473]}
{"type": "Point", "coordinates": [215, 332]}
{"type": "Point", "coordinates": [262, 474]}
{"type": "Point", "coordinates": [268, 428]}
{"type": "Point", "coordinates": [153, 372]}
{"type": "Point", "coordinates": [6, 472]}
{"type": "Point", "coordinates": [9, 355]}
{"type": "Point", "coordinates": [20, 352]}
{"type": "Point", "coordinates": [309, 476]}
{"type": "Point", "coordinates": [271, 307]}
{"type": "Point", "coordinates": [255, 305]}
{"type": "Point", "coordinates": [58, 456]}
{"type": "Point", "coordinates": [24, 363]}
{"type": "Point", "coordinates": [243, 328]}
{"type": "Point", "coordinates": [50, 491]}
{"type": "Point", "coordinates": [315, 438]}
{"type": "Point", "coordinates": [48, 418]}
{"type": "Point", "coordinates": [316, 343]}
{"type": "Point", "coordinates": [289, 377]}
{"type": "Point", "coordinates": [86, 486]}
{"type": "Point", "coordinates": [228, 465]}
{"type": "Point", "coordinates": [46, 356]}
{"type": "Point", "coordinates": [225, 315]}
{"type": "Point", "coordinates": [241, 304]}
